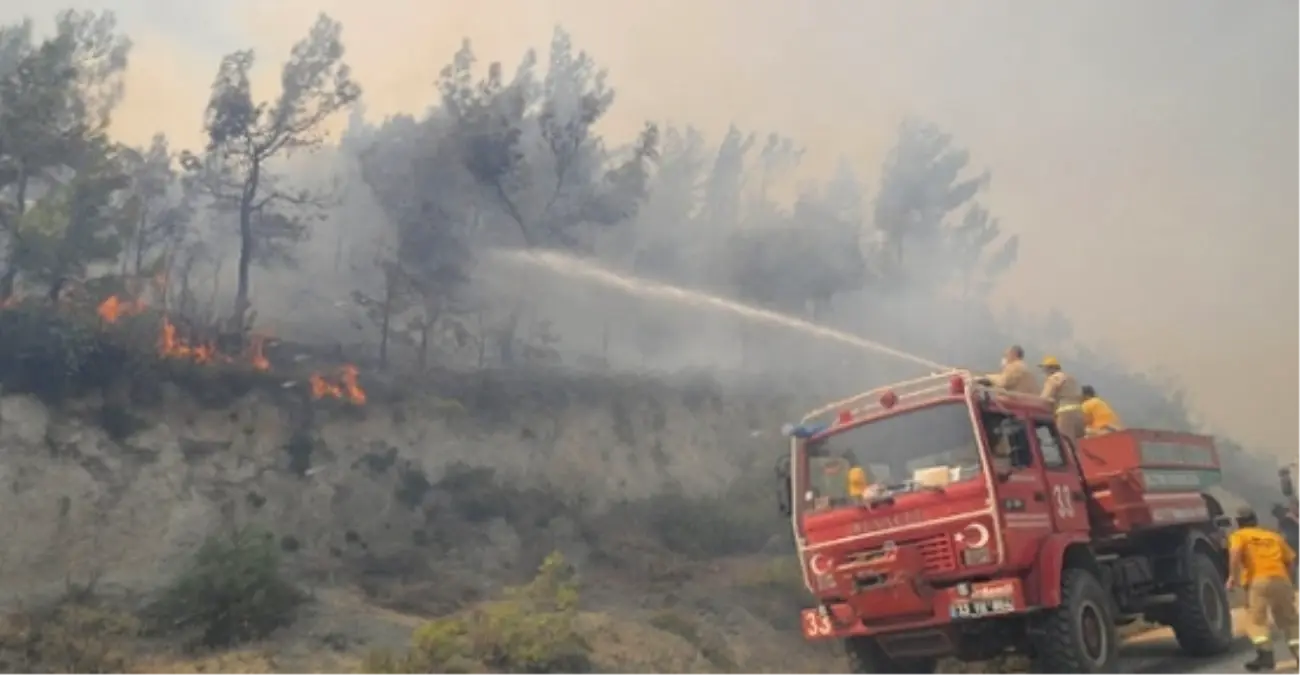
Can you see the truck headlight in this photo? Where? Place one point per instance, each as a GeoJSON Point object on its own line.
{"type": "Point", "coordinates": [976, 556]}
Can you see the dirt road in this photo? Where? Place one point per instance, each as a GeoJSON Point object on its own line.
{"type": "Point", "coordinates": [1156, 652]}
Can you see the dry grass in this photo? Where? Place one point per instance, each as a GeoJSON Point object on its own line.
{"type": "Point", "coordinates": [75, 635]}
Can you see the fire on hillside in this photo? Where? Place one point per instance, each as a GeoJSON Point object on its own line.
{"type": "Point", "coordinates": [342, 384]}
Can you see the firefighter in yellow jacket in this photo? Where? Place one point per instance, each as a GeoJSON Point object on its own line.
{"type": "Point", "coordinates": [1260, 562]}
{"type": "Point", "coordinates": [1098, 416]}
{"type": "Point", "coordinates": [1065, 394]}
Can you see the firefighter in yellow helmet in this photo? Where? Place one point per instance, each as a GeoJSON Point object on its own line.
{"type": "Point", "coordinates": [1066, 395]}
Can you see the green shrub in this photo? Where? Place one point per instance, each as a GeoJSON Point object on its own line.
{"type": "Point", "coordinates": [531, 629]}
{"type": "Point", "coordinates": [740, 520]}
{"type": "Point", "coordinates": [231, 592]}
{"type": "Point", "coordinates": [45, 352]}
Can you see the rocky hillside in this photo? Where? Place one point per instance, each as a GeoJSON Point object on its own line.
{"type": "Point", "coordinates": [332, 477]}
{"type": "Point", "coordinates": [396, 500]}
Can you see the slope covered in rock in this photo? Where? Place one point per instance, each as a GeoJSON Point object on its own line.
{"type": "Point", "coordinates": [404, 501]}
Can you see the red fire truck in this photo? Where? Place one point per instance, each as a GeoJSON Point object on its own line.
{"type": "Point", "coordinates": [939, 517]}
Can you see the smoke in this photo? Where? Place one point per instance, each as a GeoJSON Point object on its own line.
{"type": "Point", "coordinates": [1144, 154]}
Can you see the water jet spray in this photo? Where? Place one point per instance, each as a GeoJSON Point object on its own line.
{"type": "Point", "coordinates": [579, 268]}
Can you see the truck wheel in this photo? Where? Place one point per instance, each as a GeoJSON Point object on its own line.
{"type": "Point", "coordinates": [1202, 616]}
{"type": "Point", "coordinates": [1079, 636]}
{"type": "Point", "coordinates": [866, 656]}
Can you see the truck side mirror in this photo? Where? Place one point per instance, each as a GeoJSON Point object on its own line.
{"type": "Point", "coordinates": [785, 489]}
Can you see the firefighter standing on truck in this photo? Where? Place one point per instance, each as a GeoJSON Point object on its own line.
{"type": "Point", "coordinates": [1015, 375]}
{"type": "Point", "coordinates": [1260, 562]}
{"type": "Point", "coordinates": [1063, 391]}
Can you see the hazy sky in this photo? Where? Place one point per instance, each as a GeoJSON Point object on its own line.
{"type": "Point", "coordinates": [1145, 151]}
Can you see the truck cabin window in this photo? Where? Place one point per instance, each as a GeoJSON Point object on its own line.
{"type": "Point", "coordinates": [1008, 441]}
{"type": "Point", "coordinates": [916, 450]}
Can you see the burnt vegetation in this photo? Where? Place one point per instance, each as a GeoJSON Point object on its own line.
{"type": "Point", "coordinates": [112, 259]}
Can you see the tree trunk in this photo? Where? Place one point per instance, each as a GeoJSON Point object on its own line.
{"type": "Point", "coordinates": [245, 261]}
{"type": "Point", "coordinates": [186, 296]}
{"type": "Point", "coordinates": [426, 327]}
{"type": "Point", "coordinates": [387, 319]}
{"type": "Point", "coordinates": [245, 247]}
{"type": "Point", "coordinates": [139, 244]}
{"type": "Point", "coordinates": [506, 338]}
{"type": "Point", "coordinates": [10, 277]}
{"type": "Point", "coordinates": [216, 288]}
{"type": "Point", "coordinates": [56, 287]}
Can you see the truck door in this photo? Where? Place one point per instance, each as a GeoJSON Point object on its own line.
{"type": "Point", "coordinates": [1066, 500]}
{"type": "Point", "coordinates": [1022, 492]}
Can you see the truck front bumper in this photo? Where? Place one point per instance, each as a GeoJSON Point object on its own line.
{"type": "Point", "coordinates": [897, 610]}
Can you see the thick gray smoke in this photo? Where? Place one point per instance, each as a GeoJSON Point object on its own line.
{"type": "Point", "coordinates": [1080, 161]}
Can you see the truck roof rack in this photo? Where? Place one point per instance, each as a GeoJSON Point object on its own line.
{"type": "Point", "coordinates": [933, 385]}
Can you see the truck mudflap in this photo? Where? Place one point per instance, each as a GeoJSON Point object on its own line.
{"type": "Point", "coordinates": [962, 602]}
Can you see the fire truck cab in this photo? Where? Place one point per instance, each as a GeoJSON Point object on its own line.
{"type": "Point", "coordinates": [939, 517]}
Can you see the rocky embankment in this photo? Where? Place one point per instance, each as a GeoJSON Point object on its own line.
{"type": "Point", "coordinates": [147, 468]}
{"type": "Point", "coordinates": [122, 495]}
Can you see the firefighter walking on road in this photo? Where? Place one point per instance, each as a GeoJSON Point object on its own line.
{"type": "Point", "coordinates": [1065, 394]}
{"type": "Point", "coordinates": [1260, 562]}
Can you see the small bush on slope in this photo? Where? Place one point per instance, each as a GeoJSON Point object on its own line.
{"type": "Point", "coordinates": [233, 591]}
{"type": "Point", "coordinates": [531, 629]}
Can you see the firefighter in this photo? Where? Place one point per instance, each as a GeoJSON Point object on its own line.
{"type": "Point", "coordinates": [1098, 416]}
{"type": "Point", "coordinates": [1063, 391]}
{"type": "Point", "coordinates": [857, 482]}
{"type": "Point", "coordinates": [1260, 561]}
{"type": "Point", "coordinates": [1015, 375]}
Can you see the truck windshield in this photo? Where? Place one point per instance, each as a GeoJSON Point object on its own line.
{"type": "Point", "coordinates": [894, 452]}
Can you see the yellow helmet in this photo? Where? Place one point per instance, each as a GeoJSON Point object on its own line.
{"type": "Point", "coordinates": [1049, 362]}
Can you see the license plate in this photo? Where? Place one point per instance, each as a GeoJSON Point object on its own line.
{"type": "Point", "coordinates": [973, 608]}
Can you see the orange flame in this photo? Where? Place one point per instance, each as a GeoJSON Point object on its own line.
{"type": "Point", "coordinates": [112, 308]}
{"type": "Point", "coordinates": [344, 385]}
{"type": "Point", "coordinates": [256, 355]}
{"type": "Point", "coordinates": [347, 388]}
{"type": "Point", "coordinates": [175, 347]}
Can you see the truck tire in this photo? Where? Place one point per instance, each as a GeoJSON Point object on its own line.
{"type": "Point", "coordinates": [1202, 616]}
{"type": "Point", "coordinates": [866, 656]}
{"type": "Point", "coordinates": [1079, 636]}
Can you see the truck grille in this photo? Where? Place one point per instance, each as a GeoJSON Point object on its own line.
{"type": "Point", "coordinates": [937, 554]}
